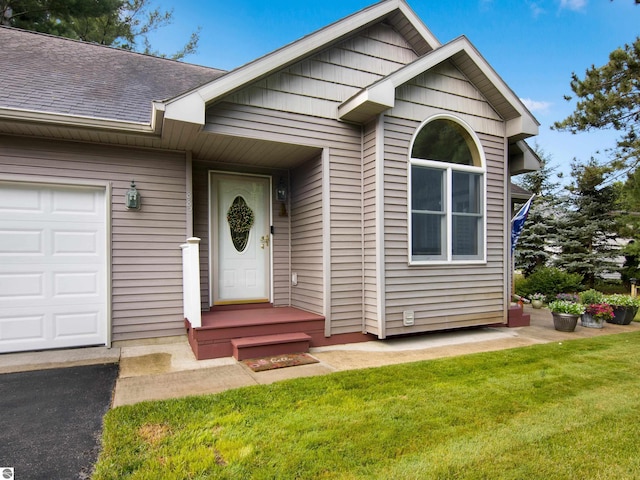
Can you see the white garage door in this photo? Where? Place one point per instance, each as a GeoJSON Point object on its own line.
{"type": "Point", "coordinates": [53, 269]}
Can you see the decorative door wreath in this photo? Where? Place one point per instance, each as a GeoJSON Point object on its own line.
{"type": "Point", "coordinates": [240, 218]}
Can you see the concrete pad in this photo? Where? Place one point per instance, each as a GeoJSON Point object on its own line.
{"type": "Point", "coordinates": [74, 357]}
{"type": "Point", "coordinates": [151, 359]}
{"type": "Point", "coordinates": [180, 384]}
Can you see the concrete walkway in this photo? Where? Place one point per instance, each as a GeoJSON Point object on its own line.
{"type": "Point", "coordinates": [168, 369]}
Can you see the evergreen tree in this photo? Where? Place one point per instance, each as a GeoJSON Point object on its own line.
{"type": "Point", "coordinates": [586, 226]}
{"type": "Point", "coordinates": [119, 23]}
{"type": "Point", "coordinates": [609, 97]}
{"type": "Point", "coordinates": [533, 248]}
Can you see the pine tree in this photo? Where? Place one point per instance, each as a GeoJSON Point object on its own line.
{"type": "Point", "coordinates": [586, 226]}
{"type": "Point", "coordinates": [533, 248]}
{"type": "Point", "coordinates": [120, 23]}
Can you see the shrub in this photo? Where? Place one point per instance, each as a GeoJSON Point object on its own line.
{"type": "Point", "coordinates": [549, 281]}
{"type": "Point", "coordinates": [591, 296]}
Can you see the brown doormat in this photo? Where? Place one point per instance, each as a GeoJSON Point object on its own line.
{"type": "Point", "coordinates": [279, 361]}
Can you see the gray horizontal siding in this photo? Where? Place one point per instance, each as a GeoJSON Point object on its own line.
{"type": "Point", "coordinates": [146, 257]}
{"type": "Point", "coordinates": [307, 237]}
{"type": "Point", "coordinates": [442, 296]}
{"type": "Point", "coordinates": [316, 86]}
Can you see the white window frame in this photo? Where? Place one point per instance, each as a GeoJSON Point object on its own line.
{"type": "Point", "coordinates": [449, 168]}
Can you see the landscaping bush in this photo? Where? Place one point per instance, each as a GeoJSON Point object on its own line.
{"type": "Point", "coordinates": [590, 297]}
{"type": "Point", "coordinates": [550, 282]}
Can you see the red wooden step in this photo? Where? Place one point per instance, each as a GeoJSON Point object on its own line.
{"type": "Point", "coordinates": [267, 345]}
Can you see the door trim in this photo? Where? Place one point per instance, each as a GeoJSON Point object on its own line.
{"type": "Point", "coordinates": [213, 259]}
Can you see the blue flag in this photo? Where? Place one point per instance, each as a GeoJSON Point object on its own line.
{"type": "Point", "coordinates": [517, 223]}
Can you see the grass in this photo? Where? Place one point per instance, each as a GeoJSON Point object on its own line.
{"type": "Point", "coordinates": [563, 411]}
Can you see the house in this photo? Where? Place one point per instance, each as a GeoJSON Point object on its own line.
{"type": "Point", "coordinates": [351, 185]}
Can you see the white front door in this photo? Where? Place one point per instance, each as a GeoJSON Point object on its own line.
{"type": "Point", "coordinates": [241, 238]}
{"type": "Point", "coordinates": [53, 267]}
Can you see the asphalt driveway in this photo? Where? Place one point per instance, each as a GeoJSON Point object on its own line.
{"type": "Point", "coordinates": [51, 420]}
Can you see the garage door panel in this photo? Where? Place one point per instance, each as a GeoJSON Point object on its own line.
{"type": "Point", "coordinates": [21, 286]}
{"type": "Point", "coordinates": [75, 284]}
{"type": "Point", "coordinates": [57, 327]}
{"type": "Point", "coordinates": [28, 285]}
{"type": "Point", "coordinates": [21, 242]}
{"type": "Point", "coordinates": [53, 276]}
{"type": "Point", "coordinates": [15, 328]}
{"type": "Point", "coordinates": [20, 199]}
{"type": "Point", "coordinates": [76, 203]}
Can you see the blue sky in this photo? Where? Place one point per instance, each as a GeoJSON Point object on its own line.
{"type": "Point", "coordinates": [534, 45]}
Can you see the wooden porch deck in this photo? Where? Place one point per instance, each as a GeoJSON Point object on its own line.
{"type": "Point", "coordinates": [220, 326]}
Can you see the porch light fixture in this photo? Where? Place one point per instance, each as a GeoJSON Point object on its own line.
{"type": "Point", "coordinates": [281, 196]}
{"type": "Point", "coordinates": [281, 191]}
{"type": "Point", "coordinates": [132, 198]}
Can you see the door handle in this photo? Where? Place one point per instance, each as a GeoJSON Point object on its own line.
{"type": "Point", "coordinates": [264, 241]}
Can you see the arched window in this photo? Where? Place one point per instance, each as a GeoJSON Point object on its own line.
{"type": "Point", "coordinates": [447, 193]}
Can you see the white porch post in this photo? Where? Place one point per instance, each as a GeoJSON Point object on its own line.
{"type": "Point", "coordinates": [191, 281]}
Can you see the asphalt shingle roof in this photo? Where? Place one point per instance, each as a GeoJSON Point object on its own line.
{"type": "Point", "coordinates": [57, 75]}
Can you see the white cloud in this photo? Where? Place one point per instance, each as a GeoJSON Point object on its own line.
{"type": "Point", "coordinates": [536, 9]}
{"type": "Point", "coordinates": [575, 5]}
{"type": "Point", "coordinates": [536, 106]}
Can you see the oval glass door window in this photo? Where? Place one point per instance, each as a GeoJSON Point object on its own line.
{"type": "Point", "coordinates": [240, 218]}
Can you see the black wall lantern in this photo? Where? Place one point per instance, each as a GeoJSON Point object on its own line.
{"type": "Point", "coordinates": [281, 191]}
{"type": "Point", "coordinates": [132, 198]}
{"type": "Point", "coordinates": [281, 196]}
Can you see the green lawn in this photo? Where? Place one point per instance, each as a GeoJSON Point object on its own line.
{"type": "Point", "coordinates": [566, 410]}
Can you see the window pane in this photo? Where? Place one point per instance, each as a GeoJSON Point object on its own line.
{"type": "Point", "coordinates": [427, 236]}
{"type": "Point", "coordinates": [443, 140]}
{"type": "Point", "coordinates": [427, 189]}
{"type": "Point", "coordinates": [466, 193]}
{"type": "Point", "coordinates": [467, 236]}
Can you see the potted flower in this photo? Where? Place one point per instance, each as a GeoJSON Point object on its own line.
{"type": "Point", "coordinates": [596, 314]}
{"type": "Point", "coordinates": [565, 314]}
{"type": "Point", "coordinates": [568, 297]}
{"type": "Point", "coordinates": [537, 300]}
{"type": "Point", "coordinates": [625, 308]}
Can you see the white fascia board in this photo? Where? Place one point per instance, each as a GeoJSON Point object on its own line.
{"type": "Point", "coordinates": [189, 108]}
{"type": "Point", "coordinates": [291, 53]}
{"type": "Point", "coordinates": [522, 127]}
{"type": "Point", "coordinates": [66, 120]}
{"type": "Point", "coordinates": [383, 94]}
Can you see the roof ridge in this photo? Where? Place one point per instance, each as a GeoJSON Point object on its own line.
{"type": "Point", "coordinates": [110, 47]}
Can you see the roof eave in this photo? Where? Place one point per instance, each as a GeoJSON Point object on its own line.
{"type": "Point", "coordinates": [66, 120]}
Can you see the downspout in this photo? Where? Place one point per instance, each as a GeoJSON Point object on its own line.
{"type": "Point", "coordinates": [189, 192]}
{"type": "Point", "coordinates": [507, 260]}
{"type": "Point", "coordinates": [326, 238]}
{"type": "Point", "coordinates": [380, 257]}
{"type": "Point", "coordinates": [362, 231]}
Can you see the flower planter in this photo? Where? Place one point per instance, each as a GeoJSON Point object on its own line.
{"type": "Point", "coordinates": [589, 321]}
{"type": "Point", "coordinates": [565, 322]}
{"type": "Point", "coordinates": [537, 303]}
{"type": "Point", "coordinates": [630, 315]}
{"type": "Point", "coordinates": [622, 315]}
